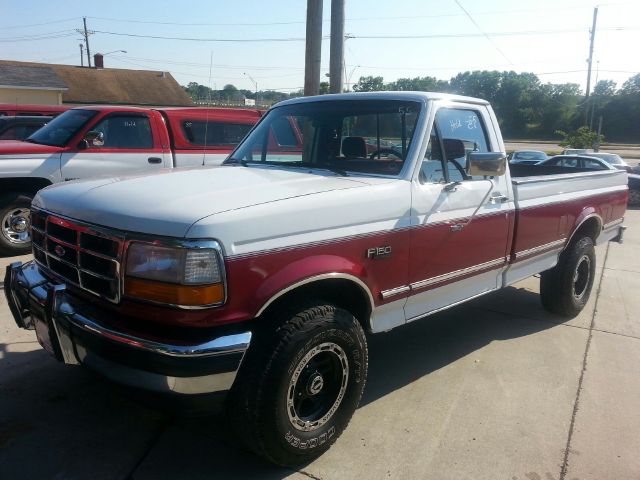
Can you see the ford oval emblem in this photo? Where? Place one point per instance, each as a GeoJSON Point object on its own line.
{"type": "Point", "coordinates": [60, 251]}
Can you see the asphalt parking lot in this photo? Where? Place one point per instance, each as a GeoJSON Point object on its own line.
{"type": "Point", "coordinates": [494, 389]}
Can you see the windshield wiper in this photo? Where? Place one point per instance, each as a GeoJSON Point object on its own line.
{"type": "Point", "coordinates": [336, 170]}
{"type": "Point", "coordinates": [236, 161]}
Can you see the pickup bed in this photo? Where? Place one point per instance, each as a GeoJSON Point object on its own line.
{"type": "Point", "coordinates": [257, 280]}
{"type": "Point", "coordinates": [106, 141]}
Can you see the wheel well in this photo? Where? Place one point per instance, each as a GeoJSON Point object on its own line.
{"type": "Point", "coordinates": [341, 292]}
{"type": "Point", "coordinates": [23, 185]}
{"type": "Point", "coordinates": [591, 228]}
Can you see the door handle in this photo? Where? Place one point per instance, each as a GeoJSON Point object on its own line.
{"type": "Point", "coordinates": [498, 198]}
{"type": "Point", "coordinates": [154, 160]}
{"type": "Point", "coordinates": [456, 227]}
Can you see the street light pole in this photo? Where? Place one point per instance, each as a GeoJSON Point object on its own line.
{"type": "Point", "coordinates": [255, 83]}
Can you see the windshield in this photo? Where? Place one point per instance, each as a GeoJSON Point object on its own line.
{"type": "Point", "coordinates": [59, 130]}
{"type": "Point", "coordinates": [363, 136]}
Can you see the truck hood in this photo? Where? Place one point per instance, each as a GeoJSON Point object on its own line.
{"type": "Point", "coordinates": [170, 201]}
{"type": "Point", "coordinates": [17, 149]}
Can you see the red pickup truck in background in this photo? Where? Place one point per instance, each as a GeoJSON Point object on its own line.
{"type": "Point", "coordinates": [109, 141]}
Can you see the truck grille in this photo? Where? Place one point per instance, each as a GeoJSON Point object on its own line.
{"type": "Point", "coordinates": [83, 255]}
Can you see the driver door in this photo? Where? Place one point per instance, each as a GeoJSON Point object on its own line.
{"type": "Point", "coordinates": [127, 143]}
{"type": "Point", "coordinates": [459, 241]}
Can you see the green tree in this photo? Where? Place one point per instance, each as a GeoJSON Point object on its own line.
{"type": "Point", "coordinates": [419, 84]}
{"type": "Point", "coordinates": [583, 137]}
{"type": "Point", "coordinates": [324, 88]}
{"type": "Point", "coordinates": [369, 84]}
{"type": "Point", "coordinates": [631, 86]}
{"type": "Point", "coordinates": [231, 93]}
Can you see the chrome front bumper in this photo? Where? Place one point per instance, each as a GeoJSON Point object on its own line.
{"type": "Point", "coordinates": [74, 336]}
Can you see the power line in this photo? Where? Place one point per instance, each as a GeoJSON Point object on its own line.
{"type": "Point", "coordinates": [48, 36]}
{"type": "Point", "coordinates": [351, 19]}
{"type": "Point", "coordinates": [66, 33]}
{"type": "Point", "coordinates": [62, 20]}
{"type": "Point", "coordinates": [196, 64]}
{"type": "Point", "coordinates": [483, 33]}
{"type": "Point", "coordinates": [493, 34]}
{"type": "Point", "coordinates": [190, 39]}
{"type": "Point", "coordinates": [293, 22]}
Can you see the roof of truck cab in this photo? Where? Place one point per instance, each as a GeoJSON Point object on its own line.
{"type": "Point", "coordinates": [407, 96]}
{"type": "Point", "coordinates": [193, 112]}
{"type": "Point", "coordinates": [203, 113]}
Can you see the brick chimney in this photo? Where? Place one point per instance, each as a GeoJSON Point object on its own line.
{"type": "Point", "coordinates": [98, 60]}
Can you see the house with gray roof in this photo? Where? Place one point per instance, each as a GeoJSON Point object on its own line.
{"type": "Point", "coordinates": [53, 84]}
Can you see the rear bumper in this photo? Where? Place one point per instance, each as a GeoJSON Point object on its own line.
{"type": "Point", "coordinates": [75, 335]}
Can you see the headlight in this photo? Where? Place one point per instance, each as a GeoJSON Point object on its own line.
{"type": "Point", "coordinates": [177, 276]}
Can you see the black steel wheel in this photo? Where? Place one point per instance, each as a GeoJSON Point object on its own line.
{"type": "Point", "coordinates": [565, 289]}
{"type": "Point", "coordinates": [300, 383]}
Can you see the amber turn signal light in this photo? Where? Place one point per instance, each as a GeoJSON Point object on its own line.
{"type": "Point", "coordinates": [183, 295]}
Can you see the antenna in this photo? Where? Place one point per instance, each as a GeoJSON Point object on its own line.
{"type": "Point", "coordinates": [206, 122]}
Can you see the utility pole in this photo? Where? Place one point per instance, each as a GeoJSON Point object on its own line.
{"type": "Point", "coordinates": [313, 48]}
{"type": "Point", "coordinates": [593, 36]}
{"type": "Point", "coordinates": [336, 58]}
{"type": "Point", "coordinates": [85, 34]}
{"type": "Point", "coordinates": [86, 40]}
{"type": "Point", "coordinates": [597, 148]}
{"type": "Point", "coordinates": [81, 56]}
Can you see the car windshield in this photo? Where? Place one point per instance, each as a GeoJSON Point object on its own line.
{"type": "Point", "coordinates": [363, 136]}
{"type": "Point", "coordinates": [59, 130]}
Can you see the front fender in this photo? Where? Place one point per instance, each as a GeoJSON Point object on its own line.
{"type": "Point", "coordinates": [306, 270]}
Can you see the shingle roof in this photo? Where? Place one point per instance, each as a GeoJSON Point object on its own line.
{"type": "Point", "coordinates": [30, 77]}
{"type": "Point", "coordinates": [114, 85]}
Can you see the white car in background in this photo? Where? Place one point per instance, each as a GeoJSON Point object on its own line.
{"type": "Point", "coordinates": [612, 159]}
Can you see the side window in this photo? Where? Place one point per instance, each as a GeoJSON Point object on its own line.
{"type": "Point", "coordinates": [462, 131]}
{"type": "Point", "coordinates": [432, 169]}
{"type": "Point", "coordinates": [570, 162]}
{"type": "Point", "coordinates": [593, 164]}
{"type": "Point", "coordinates": [125, 131]}
{"type": "Point", "coordinates": [217, 133]}
{"type": "Point", "coordinates": [9, 134]}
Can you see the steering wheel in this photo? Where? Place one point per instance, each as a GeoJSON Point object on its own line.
{"type": "Point", "coordinates": [387, 151]}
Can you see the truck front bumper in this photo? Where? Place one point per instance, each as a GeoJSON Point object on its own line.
{"type": "Point", "coordinates": [72, 332]}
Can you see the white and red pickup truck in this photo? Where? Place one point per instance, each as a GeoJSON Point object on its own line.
{"type": "Point", "coordinates": [109, 140]}
{"type": "Point", "coordinates": [260, 277]}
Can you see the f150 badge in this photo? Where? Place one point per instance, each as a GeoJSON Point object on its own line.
{"type": "Point", "coordinates": [379, 252]}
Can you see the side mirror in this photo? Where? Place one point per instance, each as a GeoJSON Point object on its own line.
{"type": "Point", "coordinates": [94, 138]}
{"type": "Point", "coordinates": [492, 164]}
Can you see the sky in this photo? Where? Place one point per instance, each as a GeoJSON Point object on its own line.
{"type": "Point", "coordinates": [264, 40]}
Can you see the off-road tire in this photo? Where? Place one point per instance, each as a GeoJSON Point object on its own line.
{"type": "Point", "coordinates": [260, 406]}
{"type": "Point", "coordinates": [565, 289]}
{"type": "Point", "coordinates": [9, 203]}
